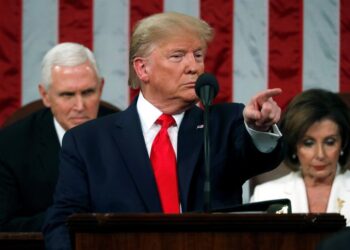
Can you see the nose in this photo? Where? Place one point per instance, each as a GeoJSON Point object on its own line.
{"type": "Point", "coordinates": [320, 153]}
{"type": "Point", "coordinates": [79, 103]}
{"type": "Point", "coordinates": [192, 64]}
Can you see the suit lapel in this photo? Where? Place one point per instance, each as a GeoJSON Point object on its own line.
{"type": "Point", "coordinates": [343, 203]}
{"type": "Point", "coordinates": [190, 144]}
{"type": "Point", "coordinates": [130, 142]}
{"type": "Point", "coordinates": [339, 200]}
{"type": "Point", "coordinates": [294, 190]}
{"type": "Point", "coordinates": [48, 146]}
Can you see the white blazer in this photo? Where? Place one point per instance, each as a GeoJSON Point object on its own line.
{"type": "Point", "coordinates": [292, 187]}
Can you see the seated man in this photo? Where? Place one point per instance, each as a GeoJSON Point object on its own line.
{"type": "Point", "coordinates": [71, 89]}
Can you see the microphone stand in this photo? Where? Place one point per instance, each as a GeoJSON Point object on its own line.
{"type": "Point", "coordinates": [207, 187]}
{"type": "Point", "coordinates": [207, 97]}
{"type": "Point", "coordinates": [206, 89]}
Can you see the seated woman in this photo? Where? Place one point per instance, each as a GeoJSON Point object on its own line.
{"type": "Point", "coordinates": [316, 130]}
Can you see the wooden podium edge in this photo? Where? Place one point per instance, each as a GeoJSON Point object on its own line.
{"type": "Point", "coordinates": [97, 222]}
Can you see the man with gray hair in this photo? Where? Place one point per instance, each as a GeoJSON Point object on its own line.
{"type": "Point", "coordinates": [71, 88]}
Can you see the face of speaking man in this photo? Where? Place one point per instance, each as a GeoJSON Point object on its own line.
{"type": "Point", "coordinates": [170, 72]}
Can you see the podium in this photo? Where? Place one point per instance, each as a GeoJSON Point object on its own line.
{"type": "Point", "coordinates": [201, 231]}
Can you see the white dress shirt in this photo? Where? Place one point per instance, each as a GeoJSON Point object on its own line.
{"type": "Point", "coordinates": [148, 116]}
{"type": "Point", "coordinates": [59, 130]}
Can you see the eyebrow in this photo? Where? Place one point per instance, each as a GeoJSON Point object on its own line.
{"type": "Point", "coordinates": [92, 89]}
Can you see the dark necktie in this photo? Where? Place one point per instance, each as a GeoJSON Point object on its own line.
{"type": "Point", "coordinates": [164, 166]}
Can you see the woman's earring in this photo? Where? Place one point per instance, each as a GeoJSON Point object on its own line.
{"type": "Point", "coordinates": [341, 153]}
{"type": "Point", "coordinates": [294, 156]}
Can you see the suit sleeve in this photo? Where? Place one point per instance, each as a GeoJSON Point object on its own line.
{"type": "Point", "coordinates": [245, 156]}
{"type": "Point", "coordinates": [71, 196]}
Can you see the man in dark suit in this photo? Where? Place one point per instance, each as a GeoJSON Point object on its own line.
{"type": "Point", "coordinates": [105, 164]}
{"type": "Point", "coordinates": [71, 88]}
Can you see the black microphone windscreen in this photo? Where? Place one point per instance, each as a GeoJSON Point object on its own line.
{"type": "Point", "coordinates": [207, 79]}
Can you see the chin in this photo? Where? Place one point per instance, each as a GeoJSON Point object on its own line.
{"type": "Point", "coordinates": [191, 98]}
{"type": "Point", "coordinates": [191, 102]}
{"type": "Point", "coordinates": [324, 174]}
{"type": "Point", "coordinates": [77, 122]}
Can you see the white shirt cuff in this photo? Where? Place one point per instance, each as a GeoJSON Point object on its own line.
{"type": "Point", "coordinates": [265, 142]}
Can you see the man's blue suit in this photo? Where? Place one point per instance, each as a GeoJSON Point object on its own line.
{"type": "Point", "coordinates": [105, 166]}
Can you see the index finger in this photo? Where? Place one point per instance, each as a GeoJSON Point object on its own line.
{"type": "Point", "coordinates": [267, 94]}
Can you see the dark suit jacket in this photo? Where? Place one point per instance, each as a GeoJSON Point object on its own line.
{"type": "Point", "coordinates": [105, 167]}
{"type": "Point", "coordinates": [29, 151]}
{"type": "Point", "coordinates": [337, 241]}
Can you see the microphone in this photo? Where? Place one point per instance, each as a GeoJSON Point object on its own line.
{"type": "Point", "coordinates": [206, 89]}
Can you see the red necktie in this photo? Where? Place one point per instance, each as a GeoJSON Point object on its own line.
{"type": "Point", "coordinates": [164, 166]}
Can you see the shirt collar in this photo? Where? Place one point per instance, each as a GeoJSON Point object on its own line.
{"type": "Point", "coordinates": [149, 114]}
{"type": "Point", "coordinates": [59, 130]}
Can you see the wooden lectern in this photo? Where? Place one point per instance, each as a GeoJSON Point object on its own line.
{"type": "Point", "coordinates": [201, 231]}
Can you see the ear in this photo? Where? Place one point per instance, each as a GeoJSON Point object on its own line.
{"type": "Point", "coordinates": [140, 68]}
{"type": "Point", "coordinates": [102, 83]}
{"type": "Point", "coordinates": [44, 96]}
